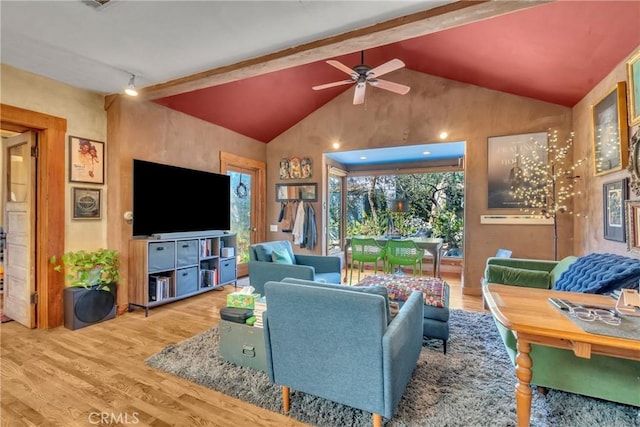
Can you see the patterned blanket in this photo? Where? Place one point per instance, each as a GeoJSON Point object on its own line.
{"type": "Point", "coordinates": [599, 274]}
{"type": "Point", "coordinates": [400, 287]}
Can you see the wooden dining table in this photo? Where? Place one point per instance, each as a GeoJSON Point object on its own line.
{"type": "Point", "coordinates": [429, 244]}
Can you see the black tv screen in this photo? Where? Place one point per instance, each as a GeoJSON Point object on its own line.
{"type": "Point", "coordinates": [171, 199]}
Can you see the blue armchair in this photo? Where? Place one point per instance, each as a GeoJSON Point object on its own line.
{"type": "Point", "coordinates": [335, 342]}
{"type": "Point", "coordinates": [276, 260]}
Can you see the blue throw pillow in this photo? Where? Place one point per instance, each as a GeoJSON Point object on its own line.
{"type": "Point", "coordinates": [281, 257]}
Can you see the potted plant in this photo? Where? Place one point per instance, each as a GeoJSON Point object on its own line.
{"type": "Point", "coordinates": [91, 279]}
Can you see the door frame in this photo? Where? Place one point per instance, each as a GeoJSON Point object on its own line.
{"type": "Point", "coordinates": [50, 206]}
{"type": "Point", "coordinates": [260, 169]}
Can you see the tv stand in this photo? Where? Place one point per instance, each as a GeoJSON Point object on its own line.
{"type": "Point", "coordinates": [172, 266]}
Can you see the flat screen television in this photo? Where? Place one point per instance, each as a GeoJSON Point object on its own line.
{"type": "Point", "coordinates": [171, 199]}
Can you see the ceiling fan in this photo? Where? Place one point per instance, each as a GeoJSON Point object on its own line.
{"type": "Point", "coordinates": [363, 74]}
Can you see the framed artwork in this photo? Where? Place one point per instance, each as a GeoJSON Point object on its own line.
{"type": "Point", "coordinates": [633, 77]}
{"type": "Point", "coordinates": [634, 159]}
{"type": "Point", "coordinates": [633, 225]}
{"type": "Point", "coordinates": [609, 128]}
{"type": "Point", "coordinates": [504, 161]}
{"type": "Point", "coordinates": [303, 192]}
{"type": "Point", "coordinates": [86, 160]}
{"type": "Point", "coordinates": [284, 169]}
{"type": "Point", "coordinates": [614, 194]}
{"type": "Point", "coordinates": [86, 203]}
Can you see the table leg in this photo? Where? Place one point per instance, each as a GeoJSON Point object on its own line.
{"type": "Point", "coordinates": [523, 388]}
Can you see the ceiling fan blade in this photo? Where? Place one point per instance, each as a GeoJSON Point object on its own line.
{"type": "Point", "coordinates": [385, 68]}
{"type": "Point", "coordinates": [340, 66]}
{"type": "Point", "coordinates": [328, 85]}
{"type": "Point", "coordinates": [358, 95]}
{"type": "Point", "coordinates": [391, 86]}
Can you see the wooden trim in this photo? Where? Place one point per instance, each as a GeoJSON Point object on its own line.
{"type": "Point", "coordinates": [260, 168]}
{"type": "Point", "coordinates": [50, 225]}
{"type": "Point", "coordinates": [402, 28]}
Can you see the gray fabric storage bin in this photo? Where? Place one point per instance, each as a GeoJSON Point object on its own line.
{"type": "Point", "coordinates": [187, 251]}
{"type": "Point", "coordinates": [161, 256]}
{"type": "Point", "coordinates": [186, 281]}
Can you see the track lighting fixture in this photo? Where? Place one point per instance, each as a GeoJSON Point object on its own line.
{"type": "Point", "coordinates": [131, 87]}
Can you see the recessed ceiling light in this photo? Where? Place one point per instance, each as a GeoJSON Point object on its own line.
{"type": "Point", "coordinates": [363, 157]}
{"type": "Point", "coordinates": [426, 153]}
{"type": "Point", "coordinates": [336, 145]}
{"type": "Point", "coordinates": [443, 135]}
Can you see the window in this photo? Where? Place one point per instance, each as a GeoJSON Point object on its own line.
{"type": "Point", "coordinates": [334, 211]}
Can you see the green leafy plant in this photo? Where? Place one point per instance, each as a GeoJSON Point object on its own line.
{"type": "Point", "coordinates": [449, 226]}
{"type": "Point", "coordinates": [92, 270]}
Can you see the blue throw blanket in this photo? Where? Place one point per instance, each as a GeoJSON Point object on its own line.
{"type": "Point", "coordinates": [600, 274]}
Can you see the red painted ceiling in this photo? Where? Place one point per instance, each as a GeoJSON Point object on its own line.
{"type": "Point", "coordinates": [556, 52]}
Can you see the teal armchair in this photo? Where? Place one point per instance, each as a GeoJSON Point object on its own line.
{"type": "Point", "coordinates": [336, 342]}
{"type": "Point", "coordinates": [276, 260]}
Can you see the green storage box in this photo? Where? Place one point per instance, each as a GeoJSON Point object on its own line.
{"type": "Point", "coordinates": [242, 345]}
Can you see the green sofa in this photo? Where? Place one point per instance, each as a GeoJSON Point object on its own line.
{"type": "Point", "coordinates": [603, 377]}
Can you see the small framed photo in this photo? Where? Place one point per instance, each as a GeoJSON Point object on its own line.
{"type": "Point", "coordinates": [609, 128]}
{"type": "Point", "coordinates": [633, 226]}
{"type": "Point", "coordinates": [86, 203]}
{"type": "Point", "coordinates": [86, 160]}
{"type": "Point", "coordinates": [614, 194]}
{"type": "Point", "coordinates": [633, 75]}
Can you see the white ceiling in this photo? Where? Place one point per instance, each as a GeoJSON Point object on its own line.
{"type": "Point", "coordinates": [96, 48]}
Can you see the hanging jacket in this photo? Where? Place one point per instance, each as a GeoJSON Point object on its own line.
{"type": "Point", "coordinates": [310, 237]}
{"type": "Point", "coordinates": [298, 225]}
{"type": "Point", "coordinates": [286, 225]}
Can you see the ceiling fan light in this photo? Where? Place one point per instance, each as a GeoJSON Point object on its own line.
{"type": "Point", "coordinates": [131, 87]}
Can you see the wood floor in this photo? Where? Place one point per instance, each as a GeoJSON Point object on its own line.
{"type": "Point", "coordinates": [97, 376]}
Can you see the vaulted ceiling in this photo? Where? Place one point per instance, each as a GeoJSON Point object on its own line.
{"type": "Point", "coordinates": [553, 52]}
{"type": "Point", "coordinates": [249, 66]}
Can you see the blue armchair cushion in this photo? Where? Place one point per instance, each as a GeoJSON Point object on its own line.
{"type": "Point", "coordinates": [281, 257]}
{"type": "Point", "coordinates": [600, 273]}
{"type": "Point", "coordinates": [263, 251]}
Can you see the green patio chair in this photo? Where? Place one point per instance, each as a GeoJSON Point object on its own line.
{"type": "Point", "coordinates": [404, 252]}
{"type": "Point", "coordinates": [366, 250]}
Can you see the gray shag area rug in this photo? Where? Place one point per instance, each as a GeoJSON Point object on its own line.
{"type": "Point", "coordinates": [472, 385]}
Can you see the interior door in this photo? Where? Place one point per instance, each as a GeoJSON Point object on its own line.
{"type": "Point", "coordinates": [19, 283]}
{"type": "Point", "coordinates": [247, 204]}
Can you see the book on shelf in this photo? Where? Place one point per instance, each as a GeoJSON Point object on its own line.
{"type": "Point", "coordinates": [160, 287]}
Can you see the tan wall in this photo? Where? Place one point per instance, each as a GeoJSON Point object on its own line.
{"type": "Point", "coordinates": [148, 131]}
{"type": "Point", "coordinates": [468, 113]}
{"type": "Point", "coordinates": [85, 115]}
{"type": "Point", "coordinates": [588, 230]}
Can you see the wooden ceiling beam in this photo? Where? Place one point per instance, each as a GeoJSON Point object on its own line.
{"type": "Point", "coordinates": [398, 29]}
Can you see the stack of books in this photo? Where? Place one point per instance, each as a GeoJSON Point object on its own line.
{"type": "Point", "coordinates": [259, 307]}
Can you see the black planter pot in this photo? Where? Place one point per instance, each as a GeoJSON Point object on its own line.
{"type": "Point", "coordinates": [84, 307]}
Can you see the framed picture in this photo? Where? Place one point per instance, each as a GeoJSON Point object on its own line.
{"type": "Point", "coordinates": [609, 127]}
{"type": "Point", "coordinates": [633, 226]}
{"type": "Point", "coordinates": [634, 159]}
{"type": "Point", "coordinates": [633, 77]}
{"type": "Point", "coordinates": [504, 161]}
{"type": "Point", "coordinates": [303, 192]}
{"type": "Point", "coordinates": [86, 160]}
{"type": "Point", "coordinates": [86, 203]}
{"type": "Point", "coordinates": [614, 195]}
